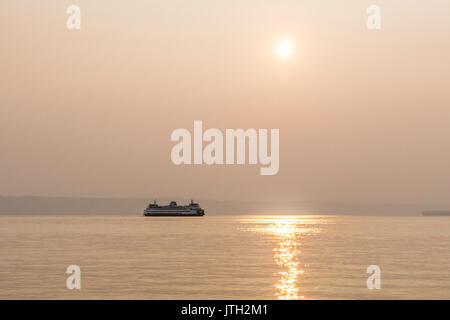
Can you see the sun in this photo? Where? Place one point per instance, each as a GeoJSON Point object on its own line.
{"type": "Point", "coordinates": [284, 49]}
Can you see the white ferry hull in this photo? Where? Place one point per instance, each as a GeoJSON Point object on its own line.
{"type": "Point", "coordinates": [168, 213]}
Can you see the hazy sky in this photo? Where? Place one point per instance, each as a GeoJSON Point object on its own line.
{"type": "Point", "coordinates": [363, 115]}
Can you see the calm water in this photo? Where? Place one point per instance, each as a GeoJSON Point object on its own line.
{"type": "Point", "coordinates": [225, 257]}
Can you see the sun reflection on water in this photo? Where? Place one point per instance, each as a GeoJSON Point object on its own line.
{"type": "Point", "coordinates": [286, 256]}
{"type": "Point", "coordinates": [286, 231]}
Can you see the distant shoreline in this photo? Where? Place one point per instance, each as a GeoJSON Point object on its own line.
{"type": "Point", "coordinates": [442, 213]}
{"type": "Point", "coordinates": [62, 206]}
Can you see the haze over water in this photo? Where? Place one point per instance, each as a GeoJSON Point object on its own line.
{"type": "Point", "coordinates": [225, 257]}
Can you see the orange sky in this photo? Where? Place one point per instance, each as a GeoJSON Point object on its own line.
{"type": "Point", "coordinates": [363, 115]}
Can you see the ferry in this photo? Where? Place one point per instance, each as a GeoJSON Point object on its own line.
{"type": "Point", "coordinates": [174, 210]}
